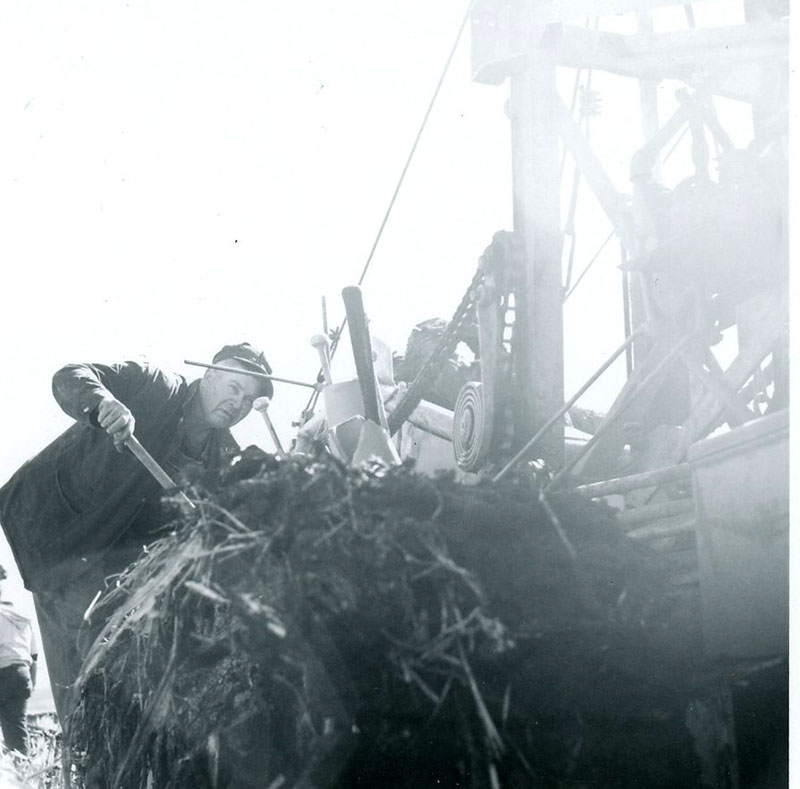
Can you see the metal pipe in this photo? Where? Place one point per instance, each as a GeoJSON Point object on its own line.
{"type": "Point", "coordinates": [433, 419]}
{"type": "Point", "coordinates": [251, 373]}
{"type": "Point", "coordinates": [589, 264]}
{"type": "Point", "coordinates": [610, 420]}
{"type": "Point", "coordinates": [261, 404]}
{"type": "Point", "coordinates": [563, 410]}
{"type": "Point", "coordinates": [627, 309]}
{"type": "Point", "coordinates": [646, 479]}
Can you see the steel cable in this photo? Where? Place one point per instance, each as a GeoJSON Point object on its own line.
{"type": "Point", "coordinates": [337, 333]}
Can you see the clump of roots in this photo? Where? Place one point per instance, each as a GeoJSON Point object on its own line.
{"type": "Point", "coordinates": [313, 625]}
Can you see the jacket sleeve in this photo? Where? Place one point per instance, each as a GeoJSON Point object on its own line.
{"type": "Point", "coordinates": [79, 388]}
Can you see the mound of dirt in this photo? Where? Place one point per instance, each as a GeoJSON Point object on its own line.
{"type": "Point", "coordinates": [311, 625]}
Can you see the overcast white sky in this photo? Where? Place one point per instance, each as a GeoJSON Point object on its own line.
{"type": "Point", "coordinates": [180, 174]}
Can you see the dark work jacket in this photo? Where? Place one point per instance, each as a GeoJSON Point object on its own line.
{"type": "Point", "coordinates": [65, 508]}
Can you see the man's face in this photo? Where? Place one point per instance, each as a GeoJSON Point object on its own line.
{"type": "Point", "coordinates": [226, 398]}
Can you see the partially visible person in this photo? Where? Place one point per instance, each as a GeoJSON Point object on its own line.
{"type": "Point", "coordinates": [18, 655]}
{"type": "Point", "coordinates": [81, 510]}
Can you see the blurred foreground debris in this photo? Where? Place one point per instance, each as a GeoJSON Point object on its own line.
{"type": "Point", "coordinates": [318, 626]}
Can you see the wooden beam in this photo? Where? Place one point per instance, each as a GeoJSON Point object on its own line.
{"type": "Point", "coordinates": [558, 416]}
{"type": "Point", "coordinates": [705, 416]}
{"type": "Point", "coordinates": [546, 12]}
{"type": "Point", "coordinates": [675, 55]}
{"type": "Point", "coordinates": [602, 451]}
{"type": "Point", "coordinates": [537, 218]}
{"type": "Point", "coordinates": [736, 411]}
{"type": "Point", "coordinates": [503, 31]}
{"type": "Point", "coordinates": [613, 202]}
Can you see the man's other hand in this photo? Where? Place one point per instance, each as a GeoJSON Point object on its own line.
{"type": "Point", "coordinates": [116, 419]}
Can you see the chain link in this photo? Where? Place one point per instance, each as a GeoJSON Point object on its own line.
{"type": "Point", "coordinates": [450, 338]}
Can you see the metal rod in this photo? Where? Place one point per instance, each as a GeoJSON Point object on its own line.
{"type": "Point", "coordinates": [320, 342]}
{"type": "Point", "coordinates": [610, 420]}
{"type": "Point", "coordinates": [646, 479]}
{"type": "Point", "coordinates": [589, 264]}
{"type": "Point", "coordinates": [627, 320]}
{"type": "Point", "coordinates": [563, 410]}
{"type": "Point", "coordinates": [158, 473]}
{"type": "Point", "coordinates": [312, 401]}
{"type": "Point", "coordinates": [676, 144]}
{"type": "Point", "coordinates": [273, 433]}
{"type": "Point", "coordinates": [562, 535]}
{"type": "Point", "coordinates": [424, 123]}
{"type": "Point", "coordinates": [251, 373]}
{"type": "Point", "coordinates": [261, 404]}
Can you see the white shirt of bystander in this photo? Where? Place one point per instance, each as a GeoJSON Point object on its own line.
{"type": "Point", "coordinates": [17, 639]}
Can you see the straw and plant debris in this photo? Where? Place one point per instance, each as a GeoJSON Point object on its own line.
{"type": "Point", "coordinates": [40, 768]}
{"type": "Point", "coordinates": [311, 625]}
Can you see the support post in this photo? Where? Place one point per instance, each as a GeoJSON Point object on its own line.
{"type": "Point", "coordinates": [648, 102]}
{"type": "Point", "coordinates": [536, 186]}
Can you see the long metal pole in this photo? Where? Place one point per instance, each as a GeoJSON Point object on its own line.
{"type": "Point", "coordinates": [563, 410]}
{"type": "Point", "coordinates": [626, 309]}
{"type": "Point", "coordinates": [613, 418]}
{"type": "Point", "coordinates": [251, 373]}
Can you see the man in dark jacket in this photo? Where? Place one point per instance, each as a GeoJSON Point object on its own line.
{"type": "Point", "coordinates": [81, 510]}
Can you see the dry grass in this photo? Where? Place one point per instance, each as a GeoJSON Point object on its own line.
{"type": "Point", "coordinates": [315, 626]}
{"type": "Point", "coordinates": [41, 769]}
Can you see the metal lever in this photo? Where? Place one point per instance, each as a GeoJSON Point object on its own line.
{"type": "Point", "coordinates": [320, 342]}
{"type": "Point", "coordinates": [261, 404]}
{"type": "Point", "coordinates": [362, 351]}
{"type": "Point", "coordinates": [158, 473]}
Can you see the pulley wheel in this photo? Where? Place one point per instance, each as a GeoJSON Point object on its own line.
{"type": "Point", "coordinates": [471, 433]}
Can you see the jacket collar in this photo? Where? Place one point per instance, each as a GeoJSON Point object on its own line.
{"type": "Point", "coordinates": [191, 393]}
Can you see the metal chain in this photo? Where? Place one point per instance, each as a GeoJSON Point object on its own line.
{"type": "Point", "coordinates": [444, 348]}
{"type": "Point", "coordinates": [502, 244]}
{"type": "Point", "coordinates": [336, 334]}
